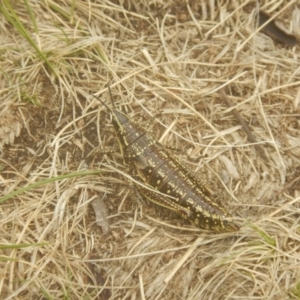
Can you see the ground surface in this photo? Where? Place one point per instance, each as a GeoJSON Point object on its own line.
{"type": "Point", "coordinates": [164, 58]}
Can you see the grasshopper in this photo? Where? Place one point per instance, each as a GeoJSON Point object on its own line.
{"type": "Point", "coordinates": [164, 180]}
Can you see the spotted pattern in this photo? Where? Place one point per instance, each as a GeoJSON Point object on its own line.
{"type": "Point", "coordinates": [180, 189]}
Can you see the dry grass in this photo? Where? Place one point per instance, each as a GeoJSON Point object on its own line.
{"type": "Point", "coordinates": [160, 56]}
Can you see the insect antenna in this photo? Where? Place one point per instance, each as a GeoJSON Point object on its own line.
{"type": "Point", "coordinates": [105, 105]}
{"type": "Point", "coordinates": [111, 100]}
{"type": "Point", "coordinates": [111, 97]}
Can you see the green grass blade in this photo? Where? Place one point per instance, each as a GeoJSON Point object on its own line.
{"type": "Point", "coordinates": [268, 239]}
{"type": "Point", "coordinates": [19, 246]}
{"type": "Point", "coordinates": [32, 17]}
{"type": "Point", "coordinates": [49, 180]}
{"type": "Point", "coordinates": [7, 10]}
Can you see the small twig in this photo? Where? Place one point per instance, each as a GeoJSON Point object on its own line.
{"type": "Point", "coordinates": [251, 137]}
{"type": "Point", "coordinates": [288, 185]}
{"type": "Point", "coordinates": [184, 258]}
{"type": "Point", "coordinates": [101, 214]}
{"type": "Point", "coordinates": [272, 30]}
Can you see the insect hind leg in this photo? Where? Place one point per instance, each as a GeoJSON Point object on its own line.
{"type": "Point", "coordinates": [164, 201]}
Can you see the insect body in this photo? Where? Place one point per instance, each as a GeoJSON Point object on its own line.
{"type": "Point", "coordinates": [165, 180]}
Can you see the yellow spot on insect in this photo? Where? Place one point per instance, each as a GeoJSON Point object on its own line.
{"type": "Point", "coordinates": [180, 193]}
{"type": "Point", "coordinates": [199, 208]}
{"type": "Point", "coordinates": [190, 201]}
{"type": "Point", "coordinates": [161, 173]}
